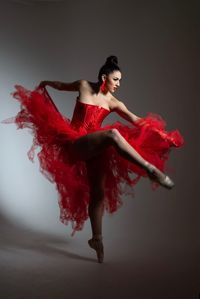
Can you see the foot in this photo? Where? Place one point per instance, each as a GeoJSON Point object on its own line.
{"type": "Point", "coordinates": [158, 176]}
{"type": "Point", "coordinates": [97, 244]}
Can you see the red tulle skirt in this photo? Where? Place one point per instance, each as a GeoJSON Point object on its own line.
{"type": "Point", "coordinates": [54, 135]}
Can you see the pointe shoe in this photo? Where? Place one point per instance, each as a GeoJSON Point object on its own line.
{"type": "Point", "coordinates": [97, 244]}
{"type": "Point", "coordinates": [159, 177]}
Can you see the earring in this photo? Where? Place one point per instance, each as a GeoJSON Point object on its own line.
{"type": "Point", "coordinates": [102, 87]}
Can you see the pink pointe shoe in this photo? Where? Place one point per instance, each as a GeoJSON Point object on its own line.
{"type": "Point", "coordinates": [156, 175]}
{"type": "Point", "coordinates": [97, 244]}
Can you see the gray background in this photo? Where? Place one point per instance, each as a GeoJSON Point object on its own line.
{"type": "Point", "coordinates": [152, 243]}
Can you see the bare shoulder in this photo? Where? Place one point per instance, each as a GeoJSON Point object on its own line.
{"type": "Point", "coordinates": [86, 88]}
{"type": "Point", "coordinates": [116, 104]}
{"type": "Point", "coordinates": [84, 84]}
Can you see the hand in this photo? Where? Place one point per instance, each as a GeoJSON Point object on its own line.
{"type": "Point", "coordinates": [141, 122]}
{"type": "Point", "coordinates": [42, 84]}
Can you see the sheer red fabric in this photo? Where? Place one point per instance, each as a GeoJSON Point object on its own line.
{"type": "Point", "coordinates": [55, 134]}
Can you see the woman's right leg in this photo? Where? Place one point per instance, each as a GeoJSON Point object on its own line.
{"type": "Point", "coordinates": [90, 145]}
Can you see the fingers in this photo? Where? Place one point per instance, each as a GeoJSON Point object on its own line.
{"type": "Point", "coordinates": [42, 84]}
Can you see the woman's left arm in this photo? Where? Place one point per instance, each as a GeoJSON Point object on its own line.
{"type": "Point", "coordinates": [121, 109]}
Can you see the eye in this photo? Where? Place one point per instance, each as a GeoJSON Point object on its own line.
{"type": "Point", "coordinates": [117, 79]}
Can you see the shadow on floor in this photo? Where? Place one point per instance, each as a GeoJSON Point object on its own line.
{"type": "Point", "coordinates": [14, 236]}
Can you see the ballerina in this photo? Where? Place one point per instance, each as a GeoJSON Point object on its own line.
{"type": "Point", "coordinates": [81, 147]}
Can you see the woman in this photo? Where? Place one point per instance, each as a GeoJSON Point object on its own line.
{"type": "Point", "coordinates": [86, 161]}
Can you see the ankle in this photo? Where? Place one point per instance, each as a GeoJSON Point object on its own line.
{"type": "Point", "coordinates": [97, 237]}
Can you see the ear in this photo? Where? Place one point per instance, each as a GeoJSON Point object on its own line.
{"type": "Point", "coordinates": [103, 77]}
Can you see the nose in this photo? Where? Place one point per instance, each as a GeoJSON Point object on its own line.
{"type": "Point", "coordinates": [117, 83]}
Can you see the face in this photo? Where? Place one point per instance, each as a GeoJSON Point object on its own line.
{"type": "Point", "coordinates": [113, 81]}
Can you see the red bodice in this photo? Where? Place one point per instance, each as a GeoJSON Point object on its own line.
{"type": "Point", "coordinates": [88, 116]}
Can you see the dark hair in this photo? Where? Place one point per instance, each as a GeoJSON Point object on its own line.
{"type": "Point", "coordinates": [109, 66]}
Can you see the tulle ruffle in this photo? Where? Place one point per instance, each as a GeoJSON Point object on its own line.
{"type": "Point", "coordinates": [54, 135]}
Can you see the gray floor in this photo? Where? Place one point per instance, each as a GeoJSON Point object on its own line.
{"type": "Point", "coordinates": [36, 265]}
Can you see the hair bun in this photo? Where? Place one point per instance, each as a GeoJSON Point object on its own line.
{"type": "Point", "coordinates": [112, 60]}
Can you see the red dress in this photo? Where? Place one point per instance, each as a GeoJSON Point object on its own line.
{"type": "Point", "coordinates": [55, 134]}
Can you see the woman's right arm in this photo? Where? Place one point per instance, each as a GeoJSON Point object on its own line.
{"type": "Point", "coordinates": [73, 86]}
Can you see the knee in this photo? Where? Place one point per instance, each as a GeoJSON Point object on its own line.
{"type": "Point", "coordinates": [97, 196]}
{"type": "Point", "coordinates": [115, 135]}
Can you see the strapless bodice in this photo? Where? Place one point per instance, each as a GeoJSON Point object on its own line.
{"type": "Point", "coordinates": [88, 116]}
